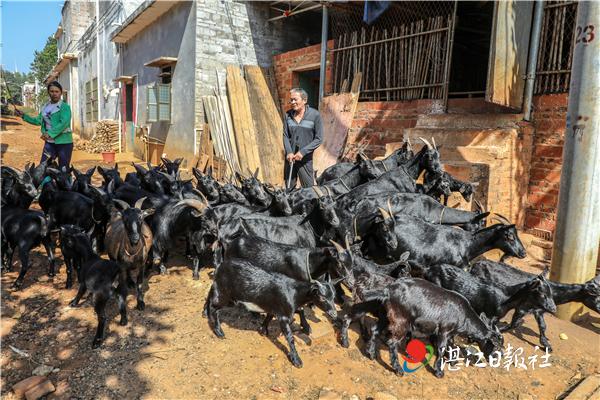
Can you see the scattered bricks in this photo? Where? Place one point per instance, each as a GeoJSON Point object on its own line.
{"type": "Point", "coordinates": [40, 390]}
{"type": "Point", "coordinates": [23, 386]}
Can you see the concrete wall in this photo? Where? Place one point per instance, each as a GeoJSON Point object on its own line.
{"type": "Point", "coordinates": [172, 35]}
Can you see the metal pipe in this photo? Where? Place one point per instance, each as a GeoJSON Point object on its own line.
{"type": "Point", "coordinates": [448, 63]}
{"type": "Point", "coordinates": [98, 80]}
{"type": "Point", "coordinates": [322, 69]}
{"type": "Point", "coordinates": [577, 234]}
{"type": "Point", "coordinates": [538, 17]}
{"type": "Point", "coordinates": [294, 13]}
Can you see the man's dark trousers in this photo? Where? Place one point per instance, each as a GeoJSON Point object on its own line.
{"type": "Point", "coordinates": [303, 170]}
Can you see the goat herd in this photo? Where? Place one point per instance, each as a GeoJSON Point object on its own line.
{"type": "Point", "coordinates": [406, 258]}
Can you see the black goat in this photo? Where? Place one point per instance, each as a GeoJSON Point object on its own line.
{"type": "Point", "coordinates": [444, 184]}
{"type": "Point", "coordinates": [253, 190]}
{"type": "Point", "coordinates": [397, 158]}
{"type": "Point", "coordinates": [23, 229]}
{"type": "Point", "coordinates": [83, 181]}
{"type": "Point", "coordinates": [171, 167]}
{"type": "Point", "coordinates": [128, 241]}
{"type": "Point", "coordinates": [415, 307]}
{"type": "Point", "coordinates": [417, 205]}
{"type": "Point", "coordinates": [18, 188]}
{"type": "Point", "coordinates": [302, 264]}
{"type": "Point", "coordinates": [98, 276]}
{"type": "Point", "coordinates": [503, 275]}
{"type": "Point", "coordinates": [431, 244]}
{"type": "Point", "coordinates": [178, 218]}
{"type": "Point", "coordinates": [207, 185]}
{"type": "Point", "coordinates": [299, 230]}
{"type": "Point", "coordinates": [37, 172]}
{"type": "Point", "coordinates": [277, 295]}
{"type": "Point", "coordinates": [493, 300]}
{"type": "Point", "coordinates": [110, 175]}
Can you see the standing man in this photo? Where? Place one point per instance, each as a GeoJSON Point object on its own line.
{"type": "Point", "coordinates": [302, 134]}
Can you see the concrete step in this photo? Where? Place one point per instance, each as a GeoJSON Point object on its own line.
{"type": "Point", "coordinates": [468, 121]}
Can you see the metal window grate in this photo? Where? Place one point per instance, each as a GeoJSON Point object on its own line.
{"type": "Point", "coordinates": [403, 55]}
{"type": "Point", "coordinates": [556, 47]}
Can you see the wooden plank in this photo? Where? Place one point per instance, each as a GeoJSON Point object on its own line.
{"type": "Point", "coordinates": [337, 113]}
{"type": "Point", "coordinates": [268, 127]}
{"type": "Point", "coordinates": [243, 125]}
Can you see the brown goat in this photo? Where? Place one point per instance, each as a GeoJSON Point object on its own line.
{"type": "Point", "coordinates": [128, 241]}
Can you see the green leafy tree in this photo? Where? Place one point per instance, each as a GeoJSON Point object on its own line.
{"type": "Point", "coordinates": [42, 64]}
{"type": "Point", "coordinates": [14, 82]}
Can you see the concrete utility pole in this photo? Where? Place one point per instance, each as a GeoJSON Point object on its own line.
{"type": "Point", "coordinates": [578, 223]}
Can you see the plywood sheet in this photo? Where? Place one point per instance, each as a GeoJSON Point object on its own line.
{"type": "Point", "coordinates": [337, 113]}
{"type": "Point", "coordinates": [242, 118]}
{"type": "Point", "coordinates": [268, 125]}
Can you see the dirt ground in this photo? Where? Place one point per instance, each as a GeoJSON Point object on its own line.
{"type": "Point", "coordinates": [168, 350]}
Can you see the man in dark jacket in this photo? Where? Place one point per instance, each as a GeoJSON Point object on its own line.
{"type": "Point", "coordinates": [302, 134]}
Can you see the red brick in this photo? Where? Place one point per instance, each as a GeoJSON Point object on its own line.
{"type": "Point", "coordinates": [548, 151]}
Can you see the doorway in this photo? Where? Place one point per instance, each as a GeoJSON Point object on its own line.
{"type": "Point", "coordinates": [309, 81]}
{"type": "Point", "coordinates": [471, 48]}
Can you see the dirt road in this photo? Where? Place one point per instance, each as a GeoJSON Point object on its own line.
{"type": "Point", "coordinates": [168, 351]}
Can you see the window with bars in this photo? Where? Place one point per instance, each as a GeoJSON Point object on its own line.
{"type": "Point", "coordinates": [159, 102]}
{"type": "Point", "coordinates": [91, 100]}
{"type": "Point", "coordinates": [557, 41]}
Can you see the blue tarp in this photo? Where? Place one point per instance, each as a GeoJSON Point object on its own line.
{"type": "Point", "coordinates": [373, 10]}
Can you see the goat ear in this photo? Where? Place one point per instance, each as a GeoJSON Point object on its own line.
{"type": "Point", "coordinates": [165, 160]}
{"type": "Point", "coordinates": [76, 172]}
{"type": "Point", "coordinates": [90, 171]}
{"type": "Point", "coordinates": [101, 171]}
{"type": "Point", "coordinates": [535, 283]}
{"type": "Point", "coordinates": [178, 161]}
{"type": "Point", "coordinates": [148, 212]}
{"type": "Point", "coordinates": [255, 175]}
{"type": "Point", "coordinates": [209, 171]}
{"type": "Point", "coordinates": [545, 273]}
{"type": "Point", "coordinates": [404, 256]}
{"type": "Point", "coordinates": [197, 173]}
{"type": "Point", "coordinates": [116, 166]}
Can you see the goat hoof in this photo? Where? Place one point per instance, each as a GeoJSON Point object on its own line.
{"type": "Point", "coordinates": [17, 285]}
{"type": "Point", "coordinates": [439, 374]}
{"type": "Point", "coordinates": [307, 330]}
{"type": "Point", "coordinates": [196, 277]}
{"type": "Point", "coordinates": [96, 343]}
{"type": "Point", "coordinates": [547, 347]}
{"type": "Point", "coordinates": [297, 362]}
{"type": "Point", "coordinates": [73, 304]}
{"type": "Point", "coordinates": [344, 342]}
{"type": "Point", "coordinates": [123, 321]}
{"type": "Point", "coordinates": [163, 270]}
{"type": "Point", "coordinates": [69, 285]}
{"type": "Point", "coordinates": [371, 354]}
{"type": "Point", "coordinates": [219, 333]}
{"type": "Point", "coordinates": [140, 305]}
{"type": "Point", "coordinates": [263, 331]}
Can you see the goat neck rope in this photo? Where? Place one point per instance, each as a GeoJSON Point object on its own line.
{"type": "Point", "coordinates": [356, 235]}
{"type": "Point", "coordinates": [385, 168]}
{"type": "Point", "coordinates": [140, 247]}
{"type": "Point", "coordinates": [308, 267]}
{"type": "Point", "coordinates": [344, 184]}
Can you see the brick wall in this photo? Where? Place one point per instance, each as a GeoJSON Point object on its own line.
{"type": "Point", "coordinates": [288, 64]}
{"type": "Point", "coordinates": [549, 117]}
{"type": "Point", "coordinates": [381, 122]}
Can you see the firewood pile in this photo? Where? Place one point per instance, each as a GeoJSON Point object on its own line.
{"type": "Point", "coordinates": [105, 139]}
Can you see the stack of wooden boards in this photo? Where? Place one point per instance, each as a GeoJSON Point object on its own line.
{"type": "Point", "coordinates": [105, 139]}
{"type": "Point", "coordinates": [246, 126]}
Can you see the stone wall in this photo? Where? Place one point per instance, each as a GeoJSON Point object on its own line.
{"type": "Point", "coordinates": [239, 33]}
